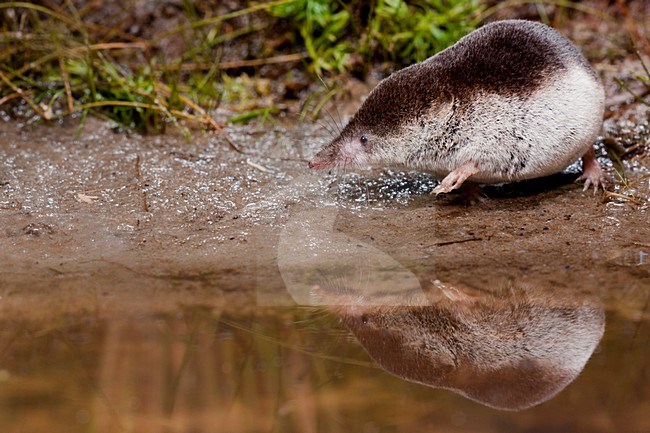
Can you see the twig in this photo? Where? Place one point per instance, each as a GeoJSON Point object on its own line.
{"type": "Point", "coordinates": [145, 205]}
{"type": "Point", "coordinates": [26, 98]}
{"type": "Point", "coordinates": [221, 18]}
{"type": "Point", "coordinates": [205, 117]}
{"type": "Point", "coordinates": [13, 205]}
{"type": "Point", "coordinates": [609, 194]}
{"type": "Point", "coordinates": [77, 51]}
{"type": "Point", "coordinates": [38, 8]}
{"type": "Point", "coordinates": [257, 166]}
{"type": "Point", "coordinates": [643, 65]}
{"type": "Point", "coordinates": [9, 97]}
{"type": "Point", "coordinates": [66, 77]}
{"type": "Point", "coordinates": [638, 98]}
{"type": "Point", "coordinates": [440, 244]}
{"type": "Point", "coordinates": [285, 58]}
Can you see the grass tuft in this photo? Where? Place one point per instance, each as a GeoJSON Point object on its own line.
{"type": "Point", "coordinates": [61, 57]}
{"type": "Point", "coordinates": [335, 32]}
{"type": "Point", "coordinates": [58, 61]}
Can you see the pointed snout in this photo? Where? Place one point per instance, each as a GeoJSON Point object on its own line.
{"type": "Point", "coordinates": [320, 162]}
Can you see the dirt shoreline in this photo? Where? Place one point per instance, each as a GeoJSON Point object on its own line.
{"type": "Point", "coordinates": [116, 223]}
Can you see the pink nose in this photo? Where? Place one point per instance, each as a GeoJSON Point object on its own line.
{"type": "Point", "coordinates": [319, 163]}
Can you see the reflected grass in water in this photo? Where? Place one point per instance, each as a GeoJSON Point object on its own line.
{"type": "Point", "coordinates": [278, 370]}
{"type": "Point", "coordinates": [195, 370]}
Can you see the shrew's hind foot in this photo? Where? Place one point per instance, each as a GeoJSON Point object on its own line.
{"type": "Point", "coordinates": [456, 178]}
{"type": "Point", "coordinates": [592, 174]}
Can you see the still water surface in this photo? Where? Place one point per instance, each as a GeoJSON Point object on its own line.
{"type": "Point", "coordinates": [289, 370]}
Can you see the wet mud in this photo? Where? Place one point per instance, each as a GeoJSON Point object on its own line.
{"type": "Point", "coordinates": [107, 220]}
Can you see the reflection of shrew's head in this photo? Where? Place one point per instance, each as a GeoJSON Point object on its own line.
{"type": "Point", "coordinates": [510, 351]}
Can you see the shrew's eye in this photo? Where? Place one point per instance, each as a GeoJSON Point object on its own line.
{"type": "Point", "coordinates": [364, 139]}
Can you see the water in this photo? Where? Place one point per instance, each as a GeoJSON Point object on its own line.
{"type": "Point", "coordinates": [201, 369]}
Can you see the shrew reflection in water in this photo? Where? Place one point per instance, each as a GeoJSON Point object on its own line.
{"type": "Point", "coordinates": [509, 349]}
{"type": "Point", "coordinates": [509, 346]}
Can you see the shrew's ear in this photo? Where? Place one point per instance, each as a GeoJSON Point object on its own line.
{"type": "Point", "coordinates": [443, 107]}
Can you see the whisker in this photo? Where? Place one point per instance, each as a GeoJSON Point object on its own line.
{"type": "Point", "coordinates": [338, 114]}
{"type": "Point", "coordinates": [324, 124]}
{"type": "Point", "coordinates": [327, 127]}
{"type": "Point", "coordinates": [321, 122]}
{"type": "Point", "coordinates": [329, 113]}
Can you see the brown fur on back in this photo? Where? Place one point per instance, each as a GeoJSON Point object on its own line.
{"type": "Point", "coordinates": [506, 57]}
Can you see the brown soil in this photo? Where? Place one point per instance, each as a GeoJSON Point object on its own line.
{"type": "Point", "coordinates": [107, 221]}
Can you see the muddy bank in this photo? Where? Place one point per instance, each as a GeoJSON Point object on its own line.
{"type": "Point", "coordinates": [111, 222]}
